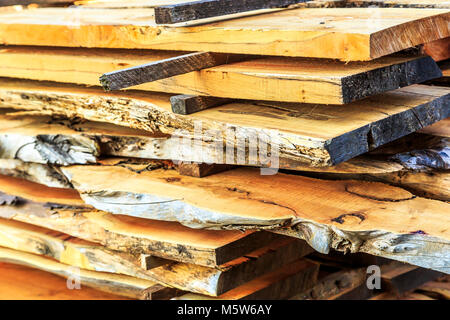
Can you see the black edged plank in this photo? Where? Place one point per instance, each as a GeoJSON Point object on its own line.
{"type": "Point", "coordinates": [196, 10]}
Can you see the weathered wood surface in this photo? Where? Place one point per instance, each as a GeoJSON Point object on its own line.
{"type": "Point", "coordinates": [162, 69]}
{"type": "Point", "coordinates": [111, 283]}
{"type": "Point", "coordinates": [188, 104]}
{"type": "Point", "coordinates": [319, 33]}
{"type": "Point", "coordinates": [44, 174]}
{"type": "Point", "coordinates": [266, 78]}
{"type": "Point", "coordinates": [419, 162]}
{"type": "Point", "coordinates": [187, 277]}
{"type": "Point", "coordinates": [19, 282]}
{"type": "Point", "coordinates": [182, 12]}
{"type": "Point", "coordinates": [319, 135]}
{"type": "Point", "coordinates": [245, 188]}
{"type": "Point", "coordinates": [164, 239]}
{"type": "Point", "coordinates": [279, 284]}
{"type": "Point", "coordinates": [319, 218]}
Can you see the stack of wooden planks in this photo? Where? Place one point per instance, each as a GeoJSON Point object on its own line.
{"type": "Point", "coordinates": [257, 149]}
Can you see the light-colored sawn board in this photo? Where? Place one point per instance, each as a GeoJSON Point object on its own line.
{"type": "Point", "coordinates": [342, 33]}
{"type": "Point", "coordinates": [273, 78]}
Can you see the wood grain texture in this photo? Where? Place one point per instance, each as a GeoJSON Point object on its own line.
{"type": "Point", "coordinates": [439, 50]}
{"type": "Point", "coordinates": [279, 284]}
{"type": "Point", "coordinates": [162, 69]}
{"type": "Point", "coordinates": [111, 283]}
{"type": "Point", "coordinates": [245, 188]}
{"type": "Point", "coordinates": [318, 135]}
{"type": "Point", "coordinates": [187, 277]}
{"type": "Point", "coordinates": [266, 78]}
{"type": "Point", "coordinates": [18, 282]}
{"type": "Point", "coordinates": [419, 162]}
{"type": "Point", "coordinates": [319, 33]}
{"type": "Point", "coordinates": [123, 233]}
{"type": "Point", "coordinates": [182, 12]}
{"type": "Point", "coordinates": [320, 218]}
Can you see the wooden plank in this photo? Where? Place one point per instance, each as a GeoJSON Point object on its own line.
{"type": "Point", "coordinates": [279, 284]}
{"type": "Point", "coordinates": [162, 69]}
{"type": "Point", "coordinates": [163, 239]}
{"type": "Point", "coordinates": [418, 162]}
{"type": "Point", "coordinates": [251, 201]}
{"type": "Point", "coordinates": [187, 277]}
{"type": "Point", "coordinates": [188, 104]}
{"type": "Point", "coordinates": [438, 288]}
{"type": "Point", "coordinates": [401, 279]}
{"type": "Point", "coordinates": [439, 50]}
{"type": "Point", "coordinates": [440, 128]}
{"type": "Point", "coordinates": [24, 283]}
{"type": "Point", "coordinates": [319, 135]}
{"type": "Point", "coordinates": [319, 33]}
{"type": "Point", "coordinates": [182, 12]}
{"type": "Point", "coordinates": [111, 283]}
{"type": "Point", "coordinates": [266, 78]}
{"type": "Point", "coordinates": [333, 284]}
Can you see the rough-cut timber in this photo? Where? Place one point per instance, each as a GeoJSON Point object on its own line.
{"type": "Point", "coordinates": [188, 104]}
{"type": "Point", "coordinates": [320, 135]}
{"type": "Point", "coordinates": [161, 69]}
{"type": "Point", "coordinates": [24, 283]}
{"type": "Point", "coordinates": [44, 174]}
{"type": "Point", "coordinates": [266, 78]}
{"type": "Point", "coordinates": [108, 282]}
{"type": "Point", "coordinates": [279, 284]}
{"type": "Point", "coordinates": [317, 217]}
{"type": "Point", "coordinates": [341, 33]}
{"type": "Point", "coordinates": [418, 162]}
{"type": "Point", "coordinates": [182, 12]}
{"type": "Point", "coordinates": [187, 277]}
{"type": "Point", "coordinates": [123, 233]}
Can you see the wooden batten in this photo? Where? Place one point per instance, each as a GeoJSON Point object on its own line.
{"type": "Point", "coordinates": [319, 135]}
{"type": "Point", "coordinates": [319, 33]}
{"type": "Point", "coordinates": [266, 78]}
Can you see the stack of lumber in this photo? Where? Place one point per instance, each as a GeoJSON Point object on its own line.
{"type": "Point", "coordinates": [255, 151]}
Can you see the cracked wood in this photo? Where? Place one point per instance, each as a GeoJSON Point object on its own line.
{"type": "Point", "coordinates": [318, 135]}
